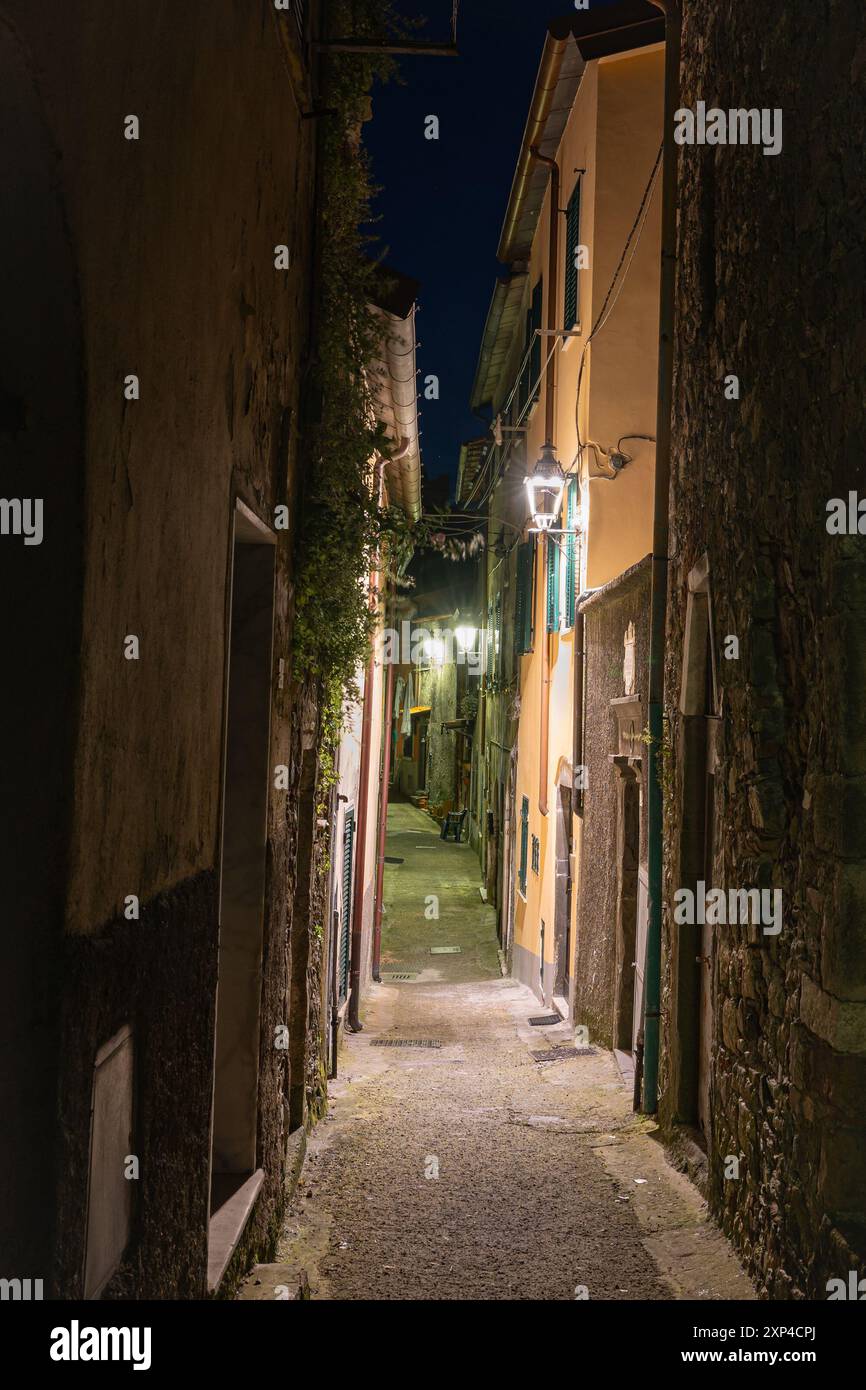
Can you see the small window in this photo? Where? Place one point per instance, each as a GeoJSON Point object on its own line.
{"type": "Point", "coordinates": [536, 854]}
{"type": "Point", "coordinates": [529, 388]}
{"type": "Point", "coordinates": [524, 845]}
{"type": "Point", "coordinates": [523, 606]}
{"type": "Point", "coordinates": [572, 241]}
{"type": "Point", "coordinates": [553, 558]}
{"type": "Point", "coordinates": [569, 596]}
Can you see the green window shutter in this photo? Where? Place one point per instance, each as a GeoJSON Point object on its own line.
{"type": "Point", "coordinates": [572, 241]}
{"type": "Point", "coordinates": [346, 921]}
{"type": "Point", "coordinates": [552, 585]}
{"type": "Point", "coordinates": [535, 355]}
{"type": "Point", "coordinates": [524, 843]}
{"type": "Point", "coordinates": [525, 379]}
{"type": "Point", "coordinates": [571, 554]}
{"type": "Point", "coordinates": [523, 609]}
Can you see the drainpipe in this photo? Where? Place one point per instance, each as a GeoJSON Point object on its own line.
{"type": "Point", "coordinates": [652, 972]}
{"type": "Point", "coordinates": [363, 797]}
{"type": "Point", "coordinates": [549, 417]}
{"type": "Point", "coordinates": [383, 824]}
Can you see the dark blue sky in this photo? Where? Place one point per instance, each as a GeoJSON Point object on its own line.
{"type": "Point", "coordinates": [443, 201]}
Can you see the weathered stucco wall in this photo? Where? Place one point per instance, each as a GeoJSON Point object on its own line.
{"type": "Point", "coordinates": [164, 249]}
{"type": "Point", "coordinates": [772, 287]}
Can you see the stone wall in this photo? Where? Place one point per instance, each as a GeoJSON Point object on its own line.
{"type": "Point", "coordinates": [607, 615]}
{"type": "Point", "coordinates": [772, 288]}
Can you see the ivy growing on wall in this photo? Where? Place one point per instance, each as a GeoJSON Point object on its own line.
{"type": "Point", "coordinates": [344, 529]}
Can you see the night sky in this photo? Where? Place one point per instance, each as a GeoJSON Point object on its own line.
{"type": "Point", "coordinates": [443, 201]}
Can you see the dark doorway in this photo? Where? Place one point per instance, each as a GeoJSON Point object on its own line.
{"type": "Point", "coordinates": [242, 881]}
{"type": "Point", "coordinates": [423, 727]}
{"type": "Point", "coordinates": [628, 863]}
{"type": "Point", "coordinates": [562, 918]}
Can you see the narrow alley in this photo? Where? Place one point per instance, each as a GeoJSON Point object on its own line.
{"type": "Point", "coordinates": [455, 1162]}
{"type": "Point", "coordinates": [434, 761]}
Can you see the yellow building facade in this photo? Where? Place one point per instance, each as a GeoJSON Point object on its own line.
{"type": "Point", "coordinates": [569, 358]}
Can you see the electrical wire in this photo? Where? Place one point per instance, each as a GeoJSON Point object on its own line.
{"type": "Point", "coordinates": [530, 401]}
{"type": "Point", "coordinates": [601, 320]}
{"type": "Point", "coordinates": [611, 298]}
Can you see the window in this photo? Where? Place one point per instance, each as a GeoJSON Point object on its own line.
{"type": "Point", "coordinates": [536, 854]}
{"type": "Point", "coordinates": [572, 241]}
{"type": "Point", "coordinates": [524, 844]}
{"type": "Point", "coordinates": [535, 354]}
{"type": "Point", "coordinates": [529, 387]}
{"type": "Point", "coordinates": [553, 556]}
{"type": "Point", "coordinates": [523, 609]}
{"type": "Point", "coordinates": [571, 508]}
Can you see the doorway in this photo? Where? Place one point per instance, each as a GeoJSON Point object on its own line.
{"type": "Point", "coordinates": [506, 893]}
{"type": "Point", "coordinates": [246, 779]}
{"type": "Point", "coordinates": [627, 893]}
{"type": "Point", "coordinates": [422, 728]}
{"type": "Point", "coordinates": [562, 897]}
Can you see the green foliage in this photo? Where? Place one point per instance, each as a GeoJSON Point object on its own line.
{"type": "Point", "coordinates": [664, 761]}
{"type": "Point", "coordinates": [343, 529]}
{"type": "Point", "coordinates": [469, 704]}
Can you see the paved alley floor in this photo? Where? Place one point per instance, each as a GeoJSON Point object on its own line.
{"type": "Point", "coordinates": [471, 1169]}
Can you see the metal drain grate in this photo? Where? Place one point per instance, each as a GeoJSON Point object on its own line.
{"type": "Point", "coordinates": [559, 1054]}
{"type": "Point", "coordinates": [545, 1020]}
{"type": "Point", "coordinates": [406, 1042]}
{"type": "Point", "coordinates": [446, 950]}
{"type": "Point", "coordinates": [401, 975]}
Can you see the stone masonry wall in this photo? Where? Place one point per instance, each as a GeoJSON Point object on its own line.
{"type": "Point", "coordinates": [607, 615]}
{"type": "Point", "coordinates": [772, 288]}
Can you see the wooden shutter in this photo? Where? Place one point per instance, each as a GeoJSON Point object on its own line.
{"type": "Point", "coordinates": [346, 920]}
{"type": "Point", "coordinates": [535, 354]}
{"type": "Point", "coordinates": [571, 553]}
{"type": "Point", "coordinates": [524, 843]}
{"type": "Point", "coordinates": [552, 585]}
{"type": "Point", "coordinates": [572, 241]}
{"type": "Point", "coordinates": [523, 610]}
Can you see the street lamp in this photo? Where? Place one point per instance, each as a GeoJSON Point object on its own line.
{"type": "Point", "coordinates": [545, 486]}
{"type": "Point", "coordinates": [434, 650]}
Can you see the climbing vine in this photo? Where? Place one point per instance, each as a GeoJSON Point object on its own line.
{"type": "Point", "coordinates": [344, 530]}
{"type": "Point", "coordinates": [664, 757]}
